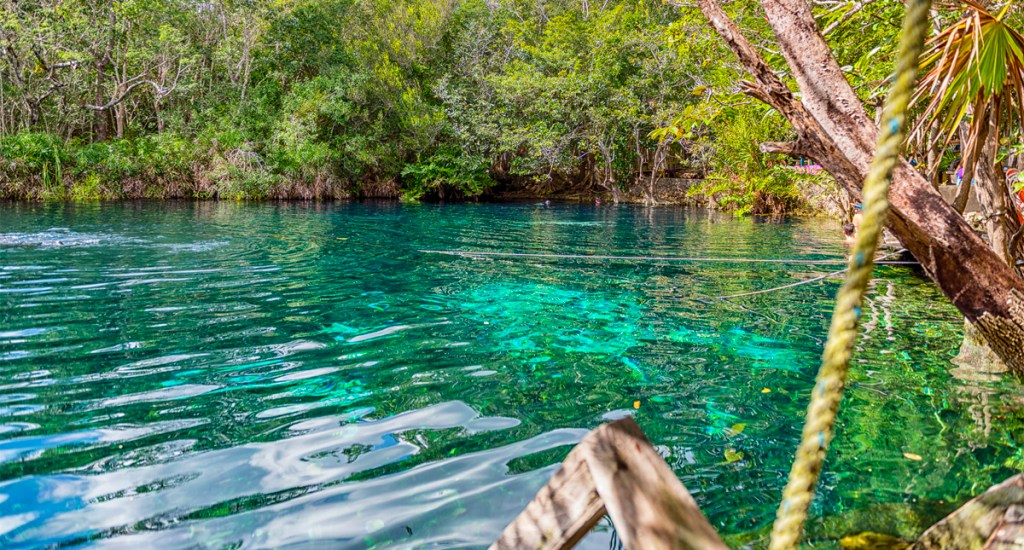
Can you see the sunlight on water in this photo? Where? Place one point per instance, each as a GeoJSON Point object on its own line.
{"type": "Point", "coordinates": [221, 374]}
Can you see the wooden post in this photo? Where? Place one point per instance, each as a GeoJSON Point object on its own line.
{"type": "Point", "coordinates": [614, 469]}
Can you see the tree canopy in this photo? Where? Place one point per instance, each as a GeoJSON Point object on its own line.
{"type": "Point", "coordinates": [424, 98]}
{"type": "Point", "coordinates": [419, 98]}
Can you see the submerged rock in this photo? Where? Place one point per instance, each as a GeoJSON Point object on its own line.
{"type": "Point", "coordinates": [872, 541]}
{"type": "Point", "coordinates": [977, 357]}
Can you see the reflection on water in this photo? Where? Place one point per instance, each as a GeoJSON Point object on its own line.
{"type": "Point", "coordinates": [218, 374]}
{"type": "Point", "coordinates": [290, 490]}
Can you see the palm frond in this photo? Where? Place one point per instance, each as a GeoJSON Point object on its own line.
{"type": "Point", "coordinates": [975, 65]}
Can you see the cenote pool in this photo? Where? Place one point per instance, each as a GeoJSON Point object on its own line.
{"type": "Point", "coordinates": [224, 375]}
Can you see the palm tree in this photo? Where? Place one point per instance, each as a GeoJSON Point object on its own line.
{"type": "Point", "coordinates": [974, 86]}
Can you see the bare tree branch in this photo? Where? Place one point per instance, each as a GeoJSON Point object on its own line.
{"type": "Point", "coordinates": [769, 87]}
{"type": "Point", "coordinates": [857, 6]}
{"type": "Point", "coordinates": [798, 148]}
{"type": "Point", "coordinates": [160, 90]}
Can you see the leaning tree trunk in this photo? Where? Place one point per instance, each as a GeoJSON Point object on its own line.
{"type": "Point", "coordinates": [833, 128]}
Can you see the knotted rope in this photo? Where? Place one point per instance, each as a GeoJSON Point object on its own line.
{"type": "Point", "coordinates": [831, 380]}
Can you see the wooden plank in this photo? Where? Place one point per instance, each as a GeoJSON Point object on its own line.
{"type": "Point", "coordinates": [993, 520]}
{"type": "Point", "coordinates": [648, 504]}
{"type": "Point", "coordinates": [561, 513]}
{"type": "Point", "coordinates": [615, 468]}
{"type": "Point", "coordinates": [1010, 532]}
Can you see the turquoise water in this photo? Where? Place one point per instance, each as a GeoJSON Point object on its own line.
{"type": "Point", "coordinates": [230, 375]}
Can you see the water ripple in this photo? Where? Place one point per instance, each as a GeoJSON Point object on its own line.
{"type": "Point", "coordinates": [277, 375]}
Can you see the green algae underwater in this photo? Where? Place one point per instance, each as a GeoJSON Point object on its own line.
{"type": "Point", "coordinates": [223, 375]}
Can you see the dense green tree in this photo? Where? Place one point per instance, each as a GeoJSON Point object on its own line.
{"type": "Point", "coordinates": [424, 98]}
{"type": "Point", "coordinates": [330, 97]}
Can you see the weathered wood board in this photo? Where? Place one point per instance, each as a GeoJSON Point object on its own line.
{"type": "Point", "coordinates": [614, 469]}
{"type": "Point", "coordinates": [993, 520]}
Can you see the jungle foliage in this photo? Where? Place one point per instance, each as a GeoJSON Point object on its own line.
{"type": "Point", "coordinates": [413, 98]}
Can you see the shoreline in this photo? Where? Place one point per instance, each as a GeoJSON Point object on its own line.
{"type": "Point", "coordinates": [669, 193]}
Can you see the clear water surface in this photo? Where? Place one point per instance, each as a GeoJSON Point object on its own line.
{"type": "Point", "coordinates": [223, 375]}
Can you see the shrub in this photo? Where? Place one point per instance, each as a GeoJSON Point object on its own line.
{"type": "Point", "coordinates": [88, 188]}
{"type": "Point", "coordinates": [33, 164]}
{"type": "Point", "coordinates": [447, 171]}
{"type": "Point", "coordinates": [740, 177]}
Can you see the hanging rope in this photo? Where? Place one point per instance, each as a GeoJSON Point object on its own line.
{"type": "Point", "coordinates": [831, 380]}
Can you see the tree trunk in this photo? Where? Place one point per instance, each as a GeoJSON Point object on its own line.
{"type": "Point", "coordinates": [102, 117]}
{"type": "Point", "coordinates": [992, 195]}
{"type": "Point", "coordinates": [3, 111]}
{"type": "Point", "coordinates": [103, 64]}
{"type": "Point", "coordinates": [976, 354]}
{"type": "Point", "coordinates": [657, 163]}
{"type": "Point", "coordinates": [159, 117]}
{"type": "Point", "coordinates": [613, 186]}
{"type": "Point", "coordinates": [33, 112]}
{"type": "Point", "coordinates": [608, 176]}
{"type": "Point", "coordinates": [963, 194]}
{"type": "Point", "coordinates": [120, 116]}
{"type": "Point", "coordinates": [834, 129]}
{"type": "Point", "coordinates": [934, 160]}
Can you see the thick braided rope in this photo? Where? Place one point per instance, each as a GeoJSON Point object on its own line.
{"type": "Point", "coordinates": [831, 381]}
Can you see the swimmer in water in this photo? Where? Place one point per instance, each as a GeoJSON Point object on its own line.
{"type": "Point", "coordinates": [849, 234]}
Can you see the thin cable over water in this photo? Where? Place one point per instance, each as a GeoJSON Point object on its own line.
{"type": "Point", "coordinates": [826, 261]}
{"type": "Point", "coordinates": [811, 280]}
